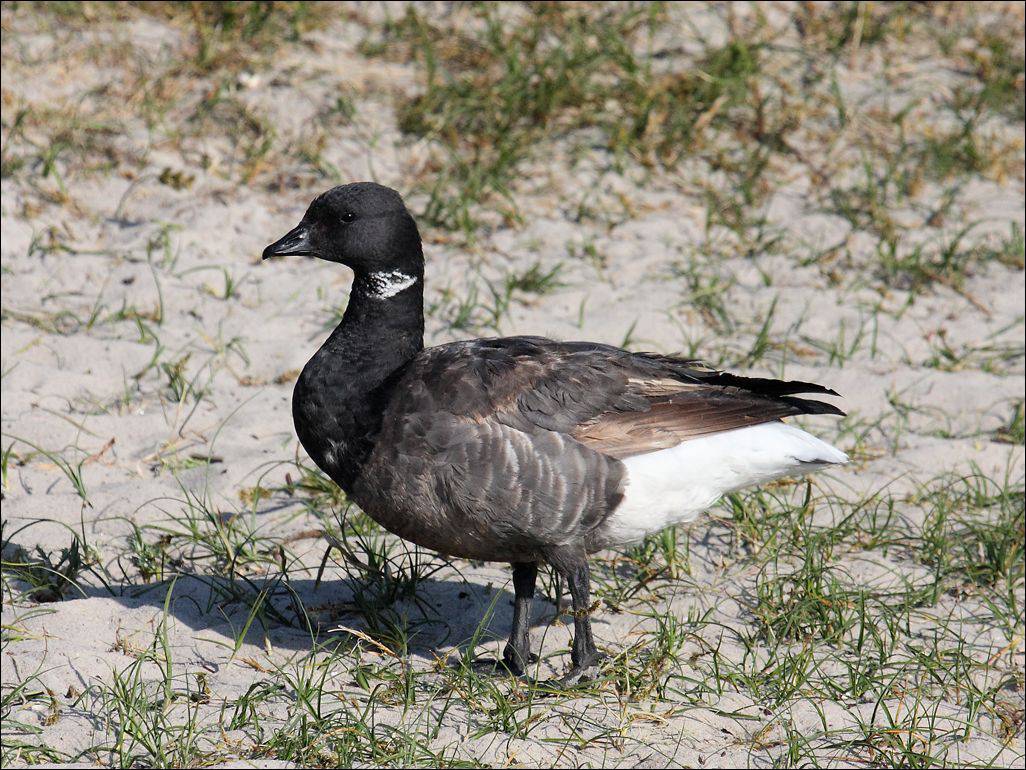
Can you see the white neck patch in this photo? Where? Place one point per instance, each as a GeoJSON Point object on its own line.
{"type": "Point", "coordinates": [387, 284]}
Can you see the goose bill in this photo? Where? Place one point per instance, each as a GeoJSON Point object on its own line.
{"type": "Point", "coordinates": [295, 243]}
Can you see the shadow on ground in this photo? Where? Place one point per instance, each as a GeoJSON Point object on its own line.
{"type": "Point", "coordinates": [414, 620]}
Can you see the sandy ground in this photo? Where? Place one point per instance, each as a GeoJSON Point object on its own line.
{"type": "Point", "coordinates": [148, 356]}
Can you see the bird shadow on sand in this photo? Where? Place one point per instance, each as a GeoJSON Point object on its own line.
{"type": "Point", "coordinates": [421, 619]}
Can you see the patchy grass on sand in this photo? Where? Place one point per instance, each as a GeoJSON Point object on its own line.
{"type": "Point", "coordinates": [832, 192]}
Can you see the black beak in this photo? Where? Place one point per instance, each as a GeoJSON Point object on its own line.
{"type": "Point", "coordinates": [296, 242]}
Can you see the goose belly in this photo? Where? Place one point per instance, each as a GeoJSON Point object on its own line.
{"type": "Point", "coordinates": [675, 485]}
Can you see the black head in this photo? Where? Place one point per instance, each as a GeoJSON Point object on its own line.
{"type": "Point", "coordinates": [362, 225]}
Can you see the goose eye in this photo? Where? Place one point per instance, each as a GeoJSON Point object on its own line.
{"type": "Point", "coordinates": [349, 216]}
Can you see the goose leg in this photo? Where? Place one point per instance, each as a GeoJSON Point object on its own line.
{"type": "Point", "coordinates": [583, 654]}
{"type": "Point", "coordinates": [518, 650]}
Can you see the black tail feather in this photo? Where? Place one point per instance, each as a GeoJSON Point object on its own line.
{"type": "Point", "coordinates": [692, 371]}
{"type": "Point", "coordinates": [811, 406]}
{"type": "Point", "coordinates": [768, 387]}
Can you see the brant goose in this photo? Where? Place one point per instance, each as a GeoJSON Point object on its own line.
{"type": "Point", "coordinates": [518, 449]}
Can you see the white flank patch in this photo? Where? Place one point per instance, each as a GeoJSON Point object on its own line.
{"type": "Point", "coordinates": [675, 485]}
{"type": "Point", "coordinates": [385, 285]}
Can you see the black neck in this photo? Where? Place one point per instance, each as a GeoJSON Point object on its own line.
{"type": "Point", "coordinates": [338, 400]}
{"type": "Point", "coordinates": [378, 333]}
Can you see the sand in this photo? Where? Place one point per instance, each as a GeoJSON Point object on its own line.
{"type": "Point", "coordinates": [122, 292]}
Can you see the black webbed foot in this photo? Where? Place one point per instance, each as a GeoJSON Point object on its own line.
{"type": "Point", "coordinates": [516, 662]}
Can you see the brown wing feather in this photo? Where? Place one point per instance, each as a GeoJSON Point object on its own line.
{"type": "Point", "coordinates": [667, 423]}
{"type": "Point", "coordinates": [612, 401]}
